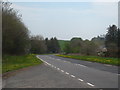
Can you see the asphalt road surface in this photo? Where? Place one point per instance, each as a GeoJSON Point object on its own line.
{"type": "Point", "coordinates": [92, 74]}
{"type": "Point", "coordinates": [58, 72]}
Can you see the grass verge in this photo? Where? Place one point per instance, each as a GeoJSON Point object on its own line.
{"type": "Point", "coordinates": [105, 60]}
{"type": "Point", "coordinates": [10, 63]}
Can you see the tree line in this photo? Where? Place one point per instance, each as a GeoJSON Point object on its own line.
{"type": "Point", "coordinates": [39, 45]}
{"type": "Point", "coordinates": [16, 38]}
{"type": "Point", "coordinates": [107, 45]}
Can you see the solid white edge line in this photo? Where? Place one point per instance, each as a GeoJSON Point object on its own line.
{"type": "Point", "coordinates": [80, 79]}
{"type": "Point", "coordinates": [40, 59]}
{"type": "Point", "coordinates": [91, 84]}
{"type": "Point", "coordinates": [66, 72]}
{"type": "Point", "coordinates": [72, 75]}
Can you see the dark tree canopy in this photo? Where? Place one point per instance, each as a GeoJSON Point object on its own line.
{"type": "Point", "coordinates": [15, 34]}
{"type": "Point", "coordinates": [52, 45]}
{"type": "Point", "coordinates": [111, 41]}
{"type": "Point", "coordinates": [38, 45]}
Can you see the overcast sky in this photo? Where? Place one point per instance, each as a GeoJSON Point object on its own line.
{"type": "Point", "coordinates": [65, 20]}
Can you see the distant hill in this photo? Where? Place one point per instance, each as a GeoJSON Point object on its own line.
{"type": "Point", "coordinates": [62, 43]}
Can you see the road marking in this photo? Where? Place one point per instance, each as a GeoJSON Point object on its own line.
{"type": "Point", "coordinates": [62, 71]}
{"type": "Point", "coordinates": [80, 79]}
{"type": "Point", "coordinates": [72, 75]}
{"type": "Point", "coordinates": [46, 63]}
{"type": "Point", "coordinates": [91, 84]}
{"type": "Point", "coordinates": [107, 65]}
{"type": "Point", "coordinates": [67, 73]}
{"type": "Point", "coordinates": [40, 59]}
{"type": "Point", "coordinates": [82, 65]}
{"type": "Point", "coordinates": [58, 69]}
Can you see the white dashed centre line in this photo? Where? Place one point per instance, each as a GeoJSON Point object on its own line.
{"type": "Point", "coordinates": [80, 79]}
{"type": "Point", "coordinates": [91, 84]}
{"type": "Point", "coordinates": [82, 65]}
{"type": "Point", "coordinates": [67, 73]}
{"type": "Point", "coordinates": [58, 69]}
{"type": "Point", "coordinates": [72, 75]}
{"type": "Point", "coordinates": [62, 71]}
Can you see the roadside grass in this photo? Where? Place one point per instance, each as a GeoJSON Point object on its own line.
{"type": "Point", "coordinates": [105, 60]}
{"type": "Point", "coordinates": [10, 63]}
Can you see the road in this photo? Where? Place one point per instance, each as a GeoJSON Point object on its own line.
{"type": "Point", "coordinates": [92, 74]}
{"type": "Point", "coordinates": [58, 72]}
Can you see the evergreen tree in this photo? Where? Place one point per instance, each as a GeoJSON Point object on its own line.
{"type": "Point", "coordinates": [111, 41]}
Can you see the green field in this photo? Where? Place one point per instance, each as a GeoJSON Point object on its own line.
{"type": "Point", "coordinates": [105, 60]}
{"type": "Point", "coordinates": [62, 43]}
{"type": "Point", "coordinates": [10, 63]}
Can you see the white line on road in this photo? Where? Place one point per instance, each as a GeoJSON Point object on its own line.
{"type": "Point", "coordinates": [81, 65]}
{"type": "Point", "coordinates": [80, 79]}
{"type": "Point", "coordinates": [46, 62]}
{"type": "Point", "coordinates": [58, 69]}
{"type": "Point", "coordinates": [107, 65]}
{"type": "Point", "coordinates": [62, 71]}
{"type": "Point", "coordinates": [40, 59]}
{"type": "Point", "coordinates": [67, 73]}
{"type": "Point", "coordinates": [72, 75]}
{"type": "Point", "coordinates": [91, 84]}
